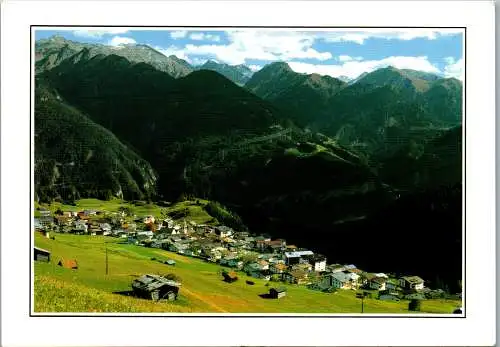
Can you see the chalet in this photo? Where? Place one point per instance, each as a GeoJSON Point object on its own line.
{"type": "Point", "coordinates": [302, 267]}
{"type": "Point", "coordinates": [340, 280]}
{"type": "Point", "coordinates": [391, 284]}
{"type": "Point", "coordinates": [94, 231]}
{"type": "Point", "coordinates": [64, 220]}
{"type": "Point", "coordinates": [80, 227]}
{"type": "Point", "coordinates": [37, 224]}
{"type": "Point", "coordinates": [264, 265]}
{"type": "Point", "coordinates": [105, 227]}
{"type": "Point", "coordinates": [377, 283]}
{"type": "Point", "coordinates": [275, 245]}
{"type": "Point", "coordinates": [296, 277]}
{"type": "Point", "coordinates": [41, 254]}
{"type": "Point", "coordinates": [277, 293]}
{"type": "Point", "coordinates": [83, 216]}
{"type": "Point", "coordinates": [318, 262]}
{"type": "Point", "coordinates": [278, 268]}
{"type": "Point", "coordinates": [354, 277]}
{"type": "Point", "coordinates": [223, 231]}
{"type": "Point", "coordinates": [411, 282]}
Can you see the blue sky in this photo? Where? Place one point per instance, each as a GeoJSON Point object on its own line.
{"type": "Point", "coordinates": [343, 52]}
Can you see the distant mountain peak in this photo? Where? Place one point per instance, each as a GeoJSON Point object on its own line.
{"type": "Point", "coordinates": [279, 64]}
{"type": "Point", "coordinates": [135, 53]}
{"type": "Point", "coordinates": [57, 37]}
{"type": "Point", "coordinates": [239, 74]}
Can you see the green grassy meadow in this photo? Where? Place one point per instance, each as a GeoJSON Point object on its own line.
{"type": "Point", "coordinates": [89, 289]}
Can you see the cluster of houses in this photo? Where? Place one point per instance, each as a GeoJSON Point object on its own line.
{"type": "Point", "coordinates": [258, 256]}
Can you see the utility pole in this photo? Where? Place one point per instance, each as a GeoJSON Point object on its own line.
{"type": "Point", "coordinates": [363, 303]}
{"type": "Point", "coordinates": [362, 297]}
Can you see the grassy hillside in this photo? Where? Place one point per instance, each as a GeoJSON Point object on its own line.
{"type": "Point", "coordinates": [195, 212]}
{"type": "Point", "coordinates": [89, 289]}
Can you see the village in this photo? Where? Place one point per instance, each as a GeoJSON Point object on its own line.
{"type": "Point", "coordinates": [258, 256]}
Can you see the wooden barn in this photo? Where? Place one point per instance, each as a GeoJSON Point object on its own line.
{"type": "Point", "coordinates": [229, 276]}
{"type": "Point", "coordinates": [68, 263]}
{"type": "Point", "coordinates": [42, 254]}
{"type": "Point", "coordinates": [277, 293]}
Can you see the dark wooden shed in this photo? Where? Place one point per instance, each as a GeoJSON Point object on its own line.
{"type": "Point", "coordinates": [277, 293]}
{"type": "Point", "coordinates": [41, 254]}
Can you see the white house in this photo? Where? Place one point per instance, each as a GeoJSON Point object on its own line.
{"type": "Point", "coordinates": [223, 231]}
{"type": "Point", "coordinates": [319, 263]}
{"type": "Point", "coordinates": [411, 282]}
{"type": "Point", "coordinates": [81, 226]}
{"type": "Point", "coordinates": [105, 227]}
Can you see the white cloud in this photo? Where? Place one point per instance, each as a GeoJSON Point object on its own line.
{"type": "Point", "coordinates": [359, 36]}
{"type": "Point", "coordinates": [178, 34]}
{"type": "Point", "coordinates": [454, 68]}
{"type": "Point", "coordinates": [254, 68]}
{"type": "Point", "coordinates": [98, 33]}
{"type": "Point", "coordinates": [120, 40]}
{"type": "Point", "coordinates": [259, 45]}
{"type": "Point", "coordinates": [199, 36]}
{"type": "Point", "coordinates": [344, 58]}
{"type": "Point", "coordinates": [353, 69]}
{"type": "Point", "coordinates": [278, 45]}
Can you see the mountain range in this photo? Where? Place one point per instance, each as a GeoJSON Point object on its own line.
{"type": "Point", "coordinates": [308, 157]}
